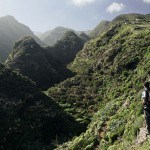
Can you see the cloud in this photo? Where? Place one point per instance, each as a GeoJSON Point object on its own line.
{"type": "Point", "coordinates": [146, 1]}
{"type": "Point", "coordinates": [115, 7]}
{"type": "Point", "coordinates": [81, 2]}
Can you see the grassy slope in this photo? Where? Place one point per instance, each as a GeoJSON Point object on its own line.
{"type": "Point", "coordinates": [110, 70]}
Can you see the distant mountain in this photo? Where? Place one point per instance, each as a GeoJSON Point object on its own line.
{"type": "Point", "coordinates": [99, 29]}
{"type": "Point", "coordinates": [29, 120]}
{"type": "Point", "coordinates": [66, 49]}
{"type": "Point", "coordinates": [10, 31]}
{"type": "Point", "coordinates": [52, 36]}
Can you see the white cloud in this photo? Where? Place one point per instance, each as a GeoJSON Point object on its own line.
{"type": "Point", "coordinates": [115, 7]}
{"type": "Point", "coordinates": [146, 1]}
{"type": "Point", "coordinates": [81, 2]}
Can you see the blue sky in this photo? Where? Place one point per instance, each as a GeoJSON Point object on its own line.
{"type": "Point", "coordinates": [43, 15]}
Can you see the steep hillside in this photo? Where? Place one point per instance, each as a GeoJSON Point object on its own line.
{"type": "Point", "coordinates": [10, 31]}
{"type": "Point", "coordinates": [33, 61]}
{"type": "Point", "coordinates": [102, 26]}
{"type": "Point", "coordinates": [110, 71]}
{"type": "Point", "coordinates": [66, 49]}
{"type": "Point", "coordinates": [52, 36]}
{"type": "Point", "coordinates": [28, 118]}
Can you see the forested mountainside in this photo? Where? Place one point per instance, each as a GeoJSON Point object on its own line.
{"type": "Point", "coordinates": [35, 62]}
{"type": "Point", "coordinates": [110, 71]}
{"type": "Point", "coordinates": [52, 37]}
{"type": "Point", "coordinates": [11, 31]}
{"type": "Point", "coordinates": [28, 118]}
{"type": "Point", "coordinates": [45, 66]}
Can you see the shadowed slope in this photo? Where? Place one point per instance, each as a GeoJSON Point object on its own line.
{"type": "Point", "coordinates": [28, 118]}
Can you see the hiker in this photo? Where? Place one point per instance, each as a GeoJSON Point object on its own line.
{"type": "Point", "coordinates": [146, 104]}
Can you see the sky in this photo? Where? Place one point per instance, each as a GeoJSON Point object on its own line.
{"type": "Point", "coordinates": [81, 15]}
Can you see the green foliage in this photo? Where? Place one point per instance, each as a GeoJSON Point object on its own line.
{"type": "Point", "coordinates": [110, 70]}
{"type": "Point", "coordinates": [29, 119]}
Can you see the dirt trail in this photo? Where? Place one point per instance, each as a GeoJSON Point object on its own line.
{"type": "Point", "coordinates": [102, 130]}
{"type": "Point", "coordinates": [142, 136]}
{"type": "Point", "coordinates": [100, 134]}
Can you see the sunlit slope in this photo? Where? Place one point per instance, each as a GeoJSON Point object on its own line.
{"type": "Point", "coordinates": [110, 71]}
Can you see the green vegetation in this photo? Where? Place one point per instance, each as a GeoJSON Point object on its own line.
{"type": "Point", "coordinates": [29, 119]}
{"type": "Point", "coordinates": [110, 70]}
